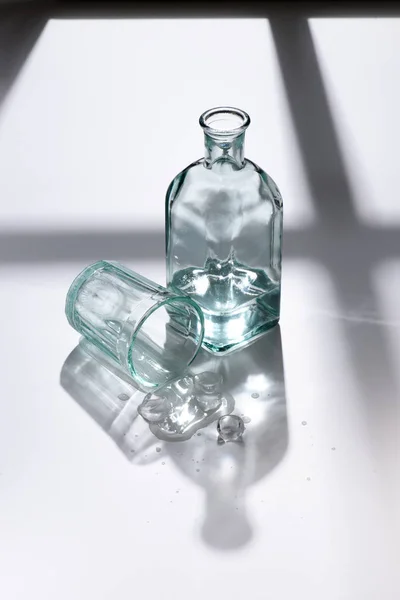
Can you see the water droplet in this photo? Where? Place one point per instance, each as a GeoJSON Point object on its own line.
{"type": "Point", "coordinates": [209, 402]}
{"type": "Point", "coordinates": [208, 382]}
{"type": "Point", "coordinates": [184, 386]}
{"type": "Point", "coordinates": [123, 397]}
{"type": "Point", "coordinates": [158, 449]}
{"type": "Point", "coordinates": [208, 390]}
{"type": "Point", "coordinates": [304, 422]}
{"type": "Point", "coordinates": [163, 463]}
{"type": "Point", "coordinates": [246, 420]}
{"type": "Point", "coordinates": [333, 448]}
{"type": "Point", "coordinates": [255, 395]}
{"type": "Point", "coordinates": [154, 409]}
{"type": "Point", "coordinates": [230, 428]}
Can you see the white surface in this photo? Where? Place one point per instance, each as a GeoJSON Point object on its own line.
{"type": "Point", "coordinates": [105, 113]}
{"type": "Point", "coordinates": [102, 116]}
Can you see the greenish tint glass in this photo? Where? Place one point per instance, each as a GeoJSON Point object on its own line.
{"type": "Point", "coordinates": [224, 236]}
{"type": "Point", "coordinates": [151, 333]}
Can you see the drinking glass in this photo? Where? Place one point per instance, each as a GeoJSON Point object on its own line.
{"type": "Point", "coordinates": [151, 333]}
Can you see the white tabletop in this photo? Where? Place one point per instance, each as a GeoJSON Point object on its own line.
{"type": "Point", "coordinates": [101, 116]}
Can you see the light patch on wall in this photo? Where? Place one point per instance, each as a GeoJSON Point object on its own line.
{"type": "Point", "coordinates": [105, 113]}
{"type": "Point", "coordinates": [359, 59]}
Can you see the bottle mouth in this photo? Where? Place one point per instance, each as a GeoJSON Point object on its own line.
{"type": "Point", "coordinates": [224, 121]}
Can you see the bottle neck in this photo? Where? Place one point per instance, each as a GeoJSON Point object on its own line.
{"type": "Point", "coordinates": [221, 149]}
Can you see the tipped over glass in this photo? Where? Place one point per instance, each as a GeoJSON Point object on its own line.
{"type": "Point", "coordinates": [151, 333]}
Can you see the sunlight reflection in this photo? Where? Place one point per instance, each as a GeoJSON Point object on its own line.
{"type": "Point", "coordinates": [386, 281]}
{"type": "Point", "coordinates": [258, 382]}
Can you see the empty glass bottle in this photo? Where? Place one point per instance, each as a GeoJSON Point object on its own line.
{"type": "Point", "coordinates": [223, 235]}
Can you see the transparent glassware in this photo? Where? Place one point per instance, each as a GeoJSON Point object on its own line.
{"type": "Point", "coordinates": [151, 333]}
{"type": "Point", "coordinates": [223, 236]}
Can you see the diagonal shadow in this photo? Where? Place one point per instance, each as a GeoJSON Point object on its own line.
{"type": "Point", "coordinates": [343, 245]}
{"type": "Point", "coordinates": [313, 122]}
{"type": "Point", "coordinates": [20, 27]}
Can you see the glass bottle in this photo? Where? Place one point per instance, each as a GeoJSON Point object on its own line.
{"type": "Point", "coordinates": [223, 235]}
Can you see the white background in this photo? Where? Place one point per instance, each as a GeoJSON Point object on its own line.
{"type": "Point", "coordinates": [102, 115]}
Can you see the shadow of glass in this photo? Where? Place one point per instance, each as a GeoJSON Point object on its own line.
{"type": "Point", "coordinates": [255, 378]}
{"type": "Point", "coordinates": [111, 399]}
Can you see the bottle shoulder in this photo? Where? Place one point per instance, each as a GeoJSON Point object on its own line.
{"type": "Point", "coordinates": [248, 180]}
{"type": "Point", "coordinates": [269, 184]}
{"type": "Point", "coordinates": [184, 177]}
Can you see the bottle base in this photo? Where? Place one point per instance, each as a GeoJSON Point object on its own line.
{"type": "Point", "coordinates": [227, 348]}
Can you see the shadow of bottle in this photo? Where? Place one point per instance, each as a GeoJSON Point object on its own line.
{"type": "Point", "coordinates": [255, 378]}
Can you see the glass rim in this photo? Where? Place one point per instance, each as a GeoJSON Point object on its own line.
{"type": "Point", "coordinates": [173, 298]}
{"type": "Point", "coordinates": [243, 121]}
{"type": "Point", "coordinates": [76, 285]}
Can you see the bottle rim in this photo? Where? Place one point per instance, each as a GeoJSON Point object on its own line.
{"type": "Point", "coordinates": [224, 120]}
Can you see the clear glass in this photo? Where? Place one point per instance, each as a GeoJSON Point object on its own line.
{"type": "Point", "coordinates": [151, 333]}
{"type": "Point", "coordinates": [224, 233]}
